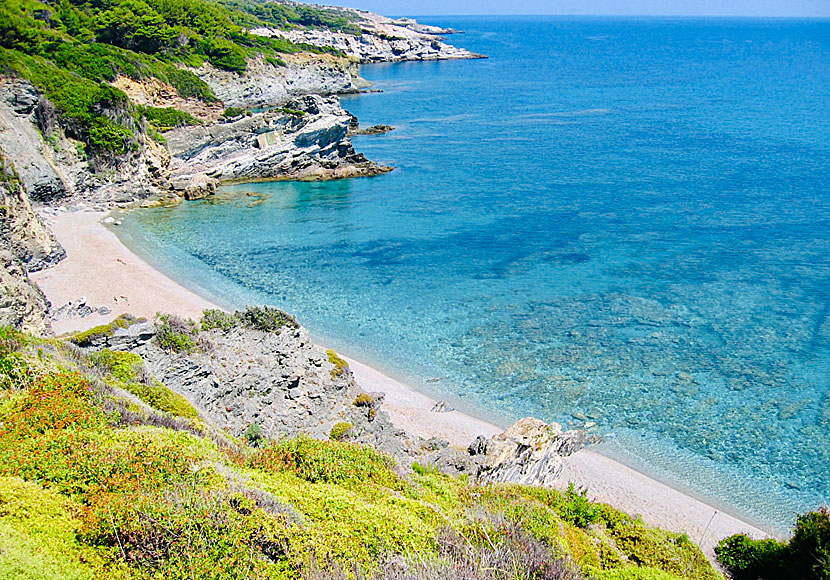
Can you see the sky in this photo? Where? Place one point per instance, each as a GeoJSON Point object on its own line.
{"type": "Point", "coordinates": [608, 7]}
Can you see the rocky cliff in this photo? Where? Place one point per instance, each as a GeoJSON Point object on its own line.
{"type": "Point", "coordinates": [267, 83]}
{"type": "Point", "coordinates": [381, 39]}
{"type": "Point", "coordinates": [306, 139]}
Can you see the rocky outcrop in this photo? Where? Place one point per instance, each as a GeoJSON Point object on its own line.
{"type": "Point", "coordinates": [154, 93]}
{"type": "Point", "coordinates": [25, 245]}
{"type": "Point", "coordinates": [373, 130]}
{"type": "Point", "coordinates": [22, 144]}
{"type": "Point", "coordinates": [279, 381]}
{"type": "Point", "coordinates": [21, 230]}
{"type": "Point", "coordinates": [55, 170]}
{"type": "Point", "coordinates": [266, 83]}
{"type": "Point", "coordinates": [529, 452]}
{"type": "Point", "coordinates": [22, 304]}
{"type": "Point", "coordinates": [286, 385]}
{"type": "Point", "coordinates": [382, 40]}
{"type": "Point", "coordinates": [305, 140]}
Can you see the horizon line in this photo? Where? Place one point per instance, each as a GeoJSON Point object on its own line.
{"type": "Point", "coordinates": [626, 15]}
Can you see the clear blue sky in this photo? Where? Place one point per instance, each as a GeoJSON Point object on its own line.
{"type": "Point", "coordinates": [610, 7]}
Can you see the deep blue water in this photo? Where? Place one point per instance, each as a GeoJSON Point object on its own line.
{"type": "Point", "coordinates": [622, 221]}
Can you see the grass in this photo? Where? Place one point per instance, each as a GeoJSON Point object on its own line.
{"type": "Point", "coordinates": [86, 493]}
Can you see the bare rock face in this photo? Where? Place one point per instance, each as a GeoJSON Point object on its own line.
{"type": "Point", "coordinates": [305, 140]}
{"type": "Point", "coordinates": [21, 230]}
{"type": "Point", "coordinates": [22, 304]}
{"type": "Point", "coordinates": [265, 83]}
{"type": "Point", "coordinates": [529, 452]}
{"type": "Point", "coordinates": [22, 144]}
{"type": "Point", "coordinates": [279, 380]}
{"type": "Point", "coordinates": [383, 40]}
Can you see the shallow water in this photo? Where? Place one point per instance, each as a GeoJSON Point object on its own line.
{"type": "Point", "coordinates": [621, 221]}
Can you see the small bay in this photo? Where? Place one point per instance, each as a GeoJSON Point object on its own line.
{"type": "Point", "coordinates": [614, 221]}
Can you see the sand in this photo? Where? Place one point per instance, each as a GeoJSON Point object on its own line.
{"type": "Point", "coordinates": [101, 269]}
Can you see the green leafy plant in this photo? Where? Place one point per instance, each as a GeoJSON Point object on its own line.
{"type": "Point", "coordinates": [805, 557]}
{"type": "Point", "coordinates": [175, 334]}
{"type": "Point", "coordinates": [339, 430]}
{"type": "Point", "coordinates": [254, 435]}
{"type": "Point", "coordinates": [340, 365]}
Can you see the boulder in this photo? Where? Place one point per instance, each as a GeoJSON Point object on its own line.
{"type": "Point", "coordinates": [200, 186]}
{"type": "Point", "coordinates": [529, 452]}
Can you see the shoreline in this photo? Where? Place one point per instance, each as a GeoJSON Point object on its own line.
{"type": "Point", "coordinates": [100, 268]}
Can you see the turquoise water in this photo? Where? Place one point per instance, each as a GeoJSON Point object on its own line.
{"type": "Point", "coordinates": [620, 221]}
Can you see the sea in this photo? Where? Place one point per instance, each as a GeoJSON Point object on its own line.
{"type": "Point", "coordinates": [614, 223]}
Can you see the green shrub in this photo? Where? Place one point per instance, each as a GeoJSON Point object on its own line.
{"type": "Point", "coordinates": [218, 319]}
{"type": "Point", "coordinates": [634, 573]}
{"type": "Point", "coordinates": [292, 112]}
{"type": "Point", "coordinates": [192, 531]}
{"type": "Point", "coordinates": [163, 399]}
{"type": "Point", "coordinates": [233, 112]}
{"type": "Point", "coordinates": [38, 534]}
{"type": "Point", "coordinates": [340, 366]}
{"type": "Point", "coordinates": [254, 435]}
{"type": "Point", "coordinates": [805, 557]}
{"type": "Point", "coordinates": [339, 430]}
{"type": "Point", "coordinates": [166, 118]}
{"type": "Point", "coordinates": [363, 400]}
{"type": "Point", "coordinates": [175, 334]}
{"type": "Point", "coordinates": [327, 462]}
{"type": "Point", "coordinates": [266, 318]}
{"type": "Point", "coordinates": [87, 337]}
{"type": "Point", "coordinates": [421, 470]}
{"type": "Point", "coordinates": [124, 366]}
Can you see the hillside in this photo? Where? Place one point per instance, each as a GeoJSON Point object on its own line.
{"type": "Point", "coordinates": [106, 473]}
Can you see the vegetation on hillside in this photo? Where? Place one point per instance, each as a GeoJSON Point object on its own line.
{"type": "Point", "coordinates": [805, 557]}
{"type": "Point", "coordinates": [100, 480]}
{"type": "Point", "coordinates": [72, 49]}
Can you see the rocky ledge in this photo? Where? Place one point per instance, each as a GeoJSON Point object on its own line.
{"type": "Point", "coordinates": [306, 140]}
{"type": "Point", "coordinates": [282, 383]}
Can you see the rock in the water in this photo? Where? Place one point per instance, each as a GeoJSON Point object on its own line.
{"type": "Point", "coordinates": [374, 130]}
{"type": "Point", "coordinates": [200, 186]}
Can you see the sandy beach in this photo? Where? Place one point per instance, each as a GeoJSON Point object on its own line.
{"type": "Point", "coordinates": [99, 268]}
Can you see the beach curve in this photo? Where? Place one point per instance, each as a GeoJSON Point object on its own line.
{"type": "Point", "coordinates": [101, 269]}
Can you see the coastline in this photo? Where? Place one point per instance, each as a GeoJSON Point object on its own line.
{"type": "Point", "coordinates": [101, 269]}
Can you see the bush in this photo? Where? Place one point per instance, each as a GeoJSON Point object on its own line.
{"type": "Point", "coordinates": [806, 557]}
{"type": "Point", "coordinates": [218, 319]}
{"type": "Point", "coordinates": [254, 435]}
{"type": "Point", "coordinates": [338, 432]}
{"type": "Point", "coordinates": [266, 318]}
{"type": "Point", "coordinates": [37, 534]}
{"type": "Point", "coordinates": [175, 334]}
{"type": "Point", "coordinates": [166, 118]}
{"type": "Point", "coordinates": [124, 366]}
{"type": "Point", "coordinates": [163, 399]}
{"type": "Point", "coordinates": [327, 462]}
{"type": "Point", "coordinates": [87, 338]}
{"type": "Point", "coordinates": [233, 112]}
{"type": "Point", "coordinates": [363, 400]}
{"type": "Point", "coordinates": [340, 366]}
